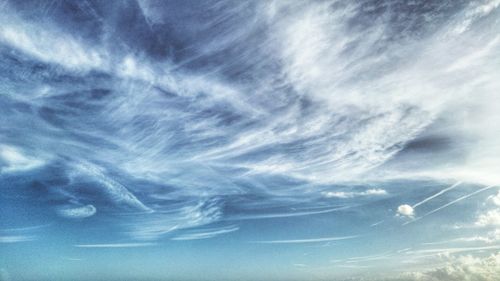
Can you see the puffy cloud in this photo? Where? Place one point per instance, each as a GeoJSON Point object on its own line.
{"type": "Point", "coordinates": [456, 268]}
{"type": "Point", "coordinates": [342, 194]}
{"type": "Point", "coordinates": [406, 210]}
{"type": "Point", "coordinates": [490, 237]}
{"type": "Point", "coordinates": [466, 268]}
{"type": "Point", "coordinates": [490, 218]}
{"type": "Point", "coordinates": [495, 199]}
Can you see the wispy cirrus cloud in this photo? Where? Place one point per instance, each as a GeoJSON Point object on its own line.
{"type": "Point", "coordinates": [488, 238]}
{"type": "Point", "coordinates": [77, 212]}
{"type": "Point", "coordinates": [14, 160]}
{"type": "Point", "coordinates": [115, 245]}
{"type": "Point", "coordinates": [21, 234]}
{"type": "Point", "coordinates": [205, 233]}
{"type": "Point", "coordinates": [263, 111]}
{"type": "Point", "coordinates": [114, 189]}
{"type": "Point", "coordinates": [309, 240]}
{"type": "Point", "coordinates": [353, 194]}
{"type": "Point", "coordinates": [291, 213]}
{"type": "Point", "coordinates": [16, 238]}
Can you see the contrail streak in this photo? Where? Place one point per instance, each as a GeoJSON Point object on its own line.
{"type": "Point", "coordinates": [117, 245]}
{"type": "Point", "coordinates": [451, 203]}
{"type": "Point", "coordinates": [437, 194]}
{"type": "Point", "coordinates": [313, 240]}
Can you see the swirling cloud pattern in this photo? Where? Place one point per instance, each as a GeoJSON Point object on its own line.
{"type": "Point", "coordinates": [251, 126]}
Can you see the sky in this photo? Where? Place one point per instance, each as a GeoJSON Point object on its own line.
{"type": "Point", "coordinates": [249, 140]}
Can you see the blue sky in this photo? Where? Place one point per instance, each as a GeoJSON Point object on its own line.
{"type": "Point", "coordinates": [259, 140]}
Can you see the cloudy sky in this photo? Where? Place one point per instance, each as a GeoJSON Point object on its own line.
{"type": "Point", "coordinates": [250, 140]}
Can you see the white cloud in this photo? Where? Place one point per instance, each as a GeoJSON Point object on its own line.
{"type": "Point", "coordinates": [453, 250]}
{"type": "Point", "coordinates": [307, 212]}
{"type": "Point", "coordinates": [312, 240]}
{"type": "Point", "coordinates": [27, 228]}
{"type": "Point", "coordinates": [78, 212]}
{"type": "Point", "coordinates": [451, 203]}
{"type": "Point", "coordinates": [406, 210]}
{"type": "Point", "coordinates": [206, 233]}
{"type": "Point", "coordinates": [117, 192]}
{"type": "Point", "coordinates": [465, 268]}
{"type": "Point", "coordinates": [16, 238]}
{"type": "Point", "coordinates": [194, 214]}
{"type": "Point", "coordinates": [12, 159]}
{"type": "Point", "coordinates": [490, 218]}
{"type": "Point", "coordinates": [115, 245]}
{"type": "Point", "coordinates": [49, 46]}
{"type": "Point", "coordinates": [437, 194]}
{"type": "Point", "coordinates": [489, 238]}
{"type": "Point", "coordinates": [342, 194]}
{"type": "Point", "coordinates": [495, 199]}
{"type": "Point", "coordinates": [451, 268]}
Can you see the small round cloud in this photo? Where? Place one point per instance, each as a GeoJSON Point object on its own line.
{"type": "Point", "coordinates": [406, 210]}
